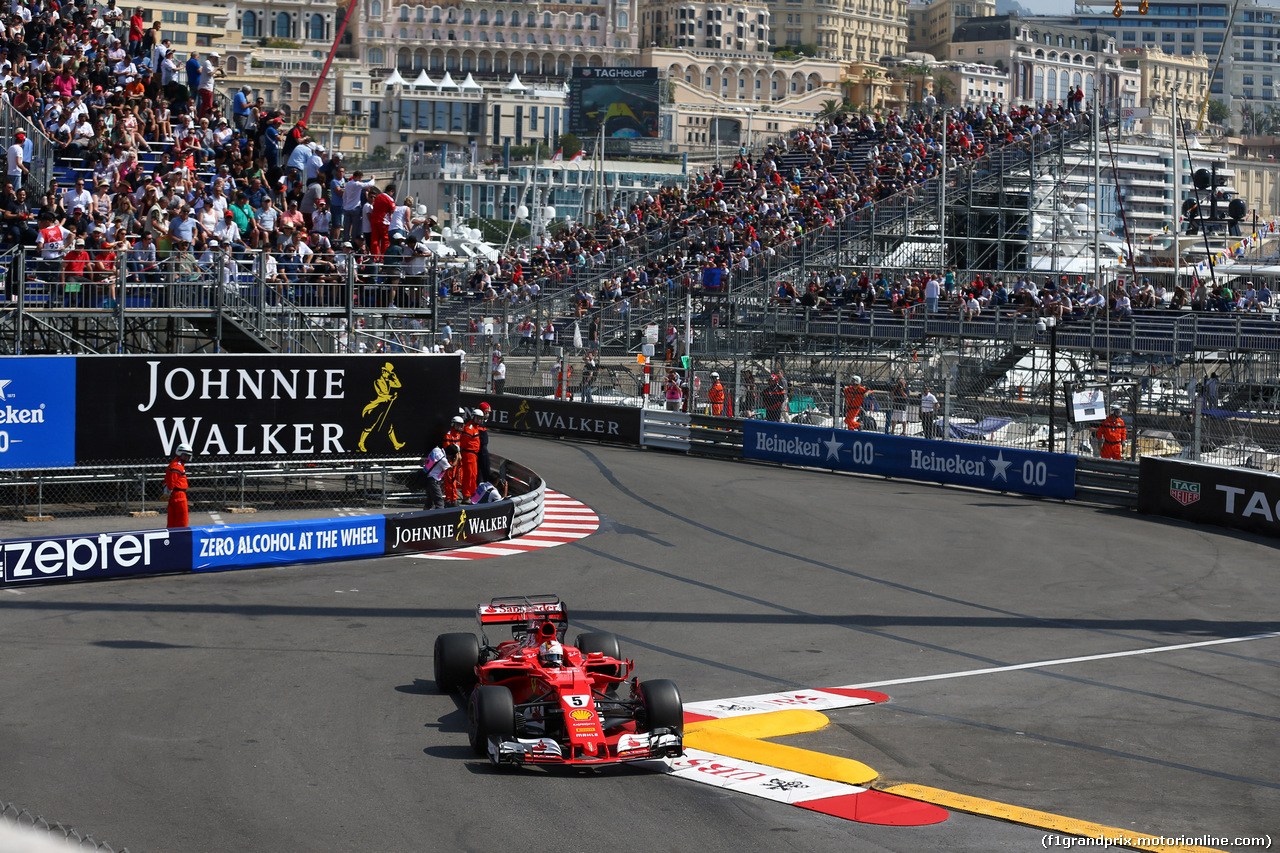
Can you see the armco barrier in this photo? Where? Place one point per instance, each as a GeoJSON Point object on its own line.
{"type": "Point", "coordinates": [957, 463]}
{"type": "Point", "coordinates": [1208, 494]}
{"type": "Point", "coordinates": [529, 505]}
{"type": "Point", "coordinates": [54, 559]}
{"type": "Point", "coordinates": [666, 430]}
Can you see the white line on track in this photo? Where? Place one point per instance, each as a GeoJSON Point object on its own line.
{"type": "Point", "coordinates": [216, 517]}
{"type": "Point", "coordinates": [1060, 661]}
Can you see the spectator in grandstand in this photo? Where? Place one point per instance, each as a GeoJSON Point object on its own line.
{"type": "Point", "coordinates": [18, 169]}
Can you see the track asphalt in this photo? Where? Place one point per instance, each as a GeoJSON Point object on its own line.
{"type": "Point", "coordinates": [292, 709]}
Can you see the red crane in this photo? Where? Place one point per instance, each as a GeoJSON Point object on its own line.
{"type": "Point", "coordinates": [324, 72]}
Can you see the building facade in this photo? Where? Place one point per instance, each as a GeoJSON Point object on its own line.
{"type": "Point", "coordinates": [849, 31]}
{"type": "Point", "coordinates": [1249, 46]}
{"type": "Point", "coordinates": [1161, 77]}
{"type": "Point", "coordinates": [930, 25]}
{"type": "Point", "coordinates": [1046, 61]}
{"type": "Point", "coordinates": [704, 25]}
{"type": "Point", "coordinates": [491, 39]}
{"type": "Point", "coordinates": [971, 83]}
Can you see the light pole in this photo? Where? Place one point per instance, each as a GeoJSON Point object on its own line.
{"type": "Point", "coordinates": [1050, 324]}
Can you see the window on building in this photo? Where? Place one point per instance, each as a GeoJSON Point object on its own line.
{"type": "Point", "coordinates": [249, 25]}
{"type": "Point", "coordinates": [404, 14]}
{"type": "Point", "coordinates": [375, 59]}
{"type": "Point", "coordinates": [315, 31]}
{"type": "Point", "coordinates": [282, 25]}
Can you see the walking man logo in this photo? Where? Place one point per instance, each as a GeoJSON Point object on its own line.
{"type": "Point", "coordinates": [521, 420]}
{"type": "Point", "coordinates": [461, 530]}
{"type": "Point", "coordinates": [376, 414]}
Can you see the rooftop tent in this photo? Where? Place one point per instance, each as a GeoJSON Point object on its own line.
{"type": "Point", "coordinates": [470, 83]}
{"type": "Point", "coordinates": [394, 79]}
{"type": "Point", "coordinates": [515, 85]}
{"type": "Point", "coordinates": [422, 80]}
{"type": "Point", "coordinates": [447, 82]}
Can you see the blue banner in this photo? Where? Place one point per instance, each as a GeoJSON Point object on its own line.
{"type": "Point", "coordinates": [240, 546]}
{"type": "Point", "coordinates": [37, 412]}
{"type": "Point", "coordinates": [95, 555]}
{"type": "Point", "coordinates": [983, 466]}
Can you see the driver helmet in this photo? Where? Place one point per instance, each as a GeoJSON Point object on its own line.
{"type": "Point", "coordinates": [551, 654]}
{"type": "Point", "coordinates": [184, 450]}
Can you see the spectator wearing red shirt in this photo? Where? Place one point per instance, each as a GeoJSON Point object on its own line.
{"type": "Point", "coordinates": [380, 219]}
{"type": "Point", "coordinates": [137, 27]}
{"type": "Point", "coordinates": [74, 266]}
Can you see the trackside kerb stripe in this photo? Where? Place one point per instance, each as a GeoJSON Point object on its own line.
{"type": "Point", "coordinates": [1041, 820]}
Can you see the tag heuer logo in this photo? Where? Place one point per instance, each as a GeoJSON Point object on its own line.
{"type": "Point", "coordinates": [1184, 492]}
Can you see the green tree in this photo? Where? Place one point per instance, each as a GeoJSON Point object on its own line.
{"type": "Point", "coordinates": [943, 88]}
{"type": "Point", "coordinates": [569, 145]}
{"type": "Point", "coordinates": [870, 79]}
{"type": "Point", "coordinates": [831, 108]}
{"type": "Point", "coordinates": [1218, 112]}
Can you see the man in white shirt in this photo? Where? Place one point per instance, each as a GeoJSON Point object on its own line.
{"type": "Point", "coordinates": [227, 231]}
{"type": "Point", "coordinates": [499, 374]}
{"type": "Point", "coordinates": [18, 170]}
{"type": "Point", "coordinates": [311, 170]}
{"type": "Point", "coordinates": [352, 198]}
{"type": "Point", "coordinates": [209, 70]}
{"type": "Point", "coordinates": [435, 465]}
{"type": "Point", "coordinates": [928, 413]}
{"type": "Point", "coordinates": [77, 197]}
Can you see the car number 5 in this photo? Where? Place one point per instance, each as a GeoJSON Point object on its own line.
{"type": "Point", "coordinates": [576, 701]}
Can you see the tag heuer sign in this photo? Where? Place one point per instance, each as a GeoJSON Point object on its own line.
{"type": "Point", "coordinates": [1184, 491]}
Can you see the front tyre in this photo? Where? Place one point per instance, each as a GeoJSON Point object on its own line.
{"type": "Point", "coordinates": [607, 645]}
{"type": "Point", "coordinates": [456, 658]}
{"type": "Point", "coordinates": [491, 712]}
{"type": "Point", "coordinates": [662, 706]}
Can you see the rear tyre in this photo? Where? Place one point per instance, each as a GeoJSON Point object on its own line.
{"type": "Point", "coordinates": [607, 645]}
{"type": "Point", "coordinates": [662, 706]}
{"type": "Point", "coordinates": [491, 711]}
{"type": "Point", "coordinates": [456, 657]}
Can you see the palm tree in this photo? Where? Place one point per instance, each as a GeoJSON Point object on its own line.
{"type": "Point", "coordinates": [870, 77]}
{"type": "Point", "coordinates": [831, 108]}
{"type": "Point", "coordinates": [943, 88]}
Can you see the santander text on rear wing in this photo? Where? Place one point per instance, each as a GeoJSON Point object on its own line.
{"type": "Point", "coordinates": [523, 610]}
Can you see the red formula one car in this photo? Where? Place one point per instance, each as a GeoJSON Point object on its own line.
{"type": "Point", "coordinates": [534, 700]}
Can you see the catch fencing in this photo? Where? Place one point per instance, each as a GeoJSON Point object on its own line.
{"type": "Point", "coordinates": [369, 485]}
{"type": "Point", "coordinates": [25, 822]}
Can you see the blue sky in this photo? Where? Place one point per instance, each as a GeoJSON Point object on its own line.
{"type": "Point", "coordinates": [1049, 7]}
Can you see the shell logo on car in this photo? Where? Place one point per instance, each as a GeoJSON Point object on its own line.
{"type": "Point", "coordinates": [580, 714]}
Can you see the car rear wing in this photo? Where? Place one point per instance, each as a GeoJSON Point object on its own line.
{"type": "Point", "coordinates": [523, 611]}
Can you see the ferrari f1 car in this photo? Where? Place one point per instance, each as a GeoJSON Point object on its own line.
{"type": "Point", "coordinates": [535, 700]}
